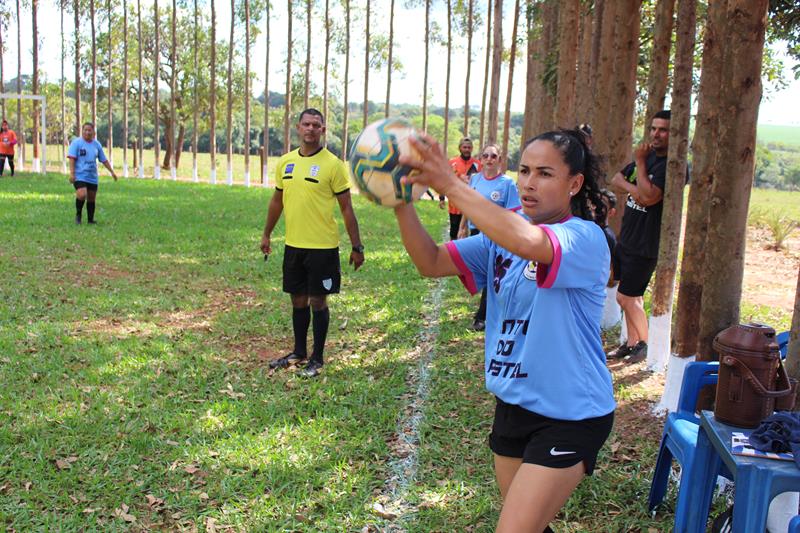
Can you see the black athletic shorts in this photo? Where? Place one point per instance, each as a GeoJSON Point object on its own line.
{"type": "Point", "coordinates": [84, 185]}
{"type": "Point", "coordinates": [549, 442]}
{"type": "Point", "coordinates": [10, 157]}
{"type": "Point", "coordinates": [632, 271]}
{"type": "Point", "coordinates": [311, 271]}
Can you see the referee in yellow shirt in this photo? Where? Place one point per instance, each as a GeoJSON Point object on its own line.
{"type": "Point", "coordinates": [308, 183]}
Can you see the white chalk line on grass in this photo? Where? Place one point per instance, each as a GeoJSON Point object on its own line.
{"type": "Point", "coordinates": [392, 504]}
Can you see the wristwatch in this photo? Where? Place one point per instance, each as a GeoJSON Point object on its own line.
{"type": "Point", "coordinates": [359, 249]}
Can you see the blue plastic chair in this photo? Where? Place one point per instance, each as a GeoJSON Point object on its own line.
{"type": "Point", "coordinates": [783, 343]}
{"type": "Point", "coordinates": [680, 439]}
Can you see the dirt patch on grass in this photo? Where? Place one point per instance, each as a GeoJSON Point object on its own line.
{"type": "Point", "coordinates": [255, 351]}
{"type": "Point", "coordinates": [770, 276]}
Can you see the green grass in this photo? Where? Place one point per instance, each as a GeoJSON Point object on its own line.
{"type": "Point", "coordinates": [784, 202]}
{"type": "Point", "coordinates": [134, 385]}
{"type": "Point", "coordinates": [769, 133]}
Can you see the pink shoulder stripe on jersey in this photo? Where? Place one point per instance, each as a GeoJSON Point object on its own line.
{"type": "Point", "coordinates": [465, 273]}
{"type": "Point", "coordinates": [546, 274]}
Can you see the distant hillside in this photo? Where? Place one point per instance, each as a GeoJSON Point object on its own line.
{"type": "Point", "coordinates": [787, 135]}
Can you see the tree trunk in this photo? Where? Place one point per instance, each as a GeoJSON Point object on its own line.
{"type": "Point", "coordinates": [664, 287]}
{"type": "Point", "coordinates": [195, 105]}
{"type": "Point", "coordinates": [657, 76]}
{"type": "Point", "coordinates": [470, 7]}
{"type": "Point", "coordinates": [247, 93]}
{"type": "Point", "coordinates": [94, 62]}
{"type": "Point", "coordinates": [229, 115]}
{"type": "Point", "coordinates": [179, 144]}
{"type": "Point", "coordinates": [568, 20]}
{"type": "Point", "coordinates": [704, 147]}
{"type": "Point", "coordinates": [35, 50]}
{"type": "Point", "coordinates": [20, 132]}
{"type": "Point", "coordinates": [125, 88]}
{"type": "Point", "coordinates": [623, 97]}
{"type": "Point", "coordinates": [497, 63]}
{"type": "Point", "coordinates": [486, 70]}
{"type": "Point", "coordinates": [265, 135]}
{"type": "Point", "coordinates": [75, 10]}
{"type": "Point", "coordinates": [110, 138]}
{"type": "Point", "coordinates": [389, 63]}
{"type": "Point", "coordinates": [173, 56]}
{"type": "Point", "coordinates": [427, 59]}
{"type": "Point", "coordinates": [366, 72]}
{"type": "Point", "coordinates": [156, 69]}
{"type": "Point", "coordinates": [287, 109]}
{"type": "Point", "coordinates": [597, 34]}
{"type": "Point", "coordinates": [308, 50]}
{"type": "Point", "coordinates": [63, 136]}
{"type": "Point", "coordinates": [140, 140]}
{"type": "Point", "coordinates": [793, 351]}
{"type": "Point", "coordinates": [447, 76]}
{"type": "Point", "coordinates": [730, 198]}
{"type": "Point", "coordinates": [327, 56]}
{"type": "Point", "coordinates": [2, 50]}
{"type": "Point", "coordinates": [212, 65]}
{"type": "Point", "coordinates": [604, 83]}
{"type": "Point", "coordinates": [345, 110]}
{"type": "Point", "coordinates": [511, 61]}
{"type": "Point", "coordinates": [532, 74]}
{"type": "Point", "coordinates": [543, 94]}
{"type": "Point", "coordinates": [583, 82]}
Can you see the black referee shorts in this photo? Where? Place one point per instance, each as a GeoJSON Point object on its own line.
{"type": "Point", "coordinates": [549, 442]}
{"type": "Point", "coordinates": [632, 271]}
{"type": "Point", "coordinates": [311, 271]}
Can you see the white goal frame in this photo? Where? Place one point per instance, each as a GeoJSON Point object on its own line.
{"type": "Point", "coordinates": [42, 168]}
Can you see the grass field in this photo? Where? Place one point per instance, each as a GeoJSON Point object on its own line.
{"type": "Point", "coordinates": [769, 133]}
{"type": "Point", "coordinates": [135, 395]}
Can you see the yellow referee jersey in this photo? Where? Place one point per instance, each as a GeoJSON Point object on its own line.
{"type": "Point", "coordinates": [310, 185]}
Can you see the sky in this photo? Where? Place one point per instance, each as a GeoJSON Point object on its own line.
{"type": "Point", "coordinates": [407, 86]}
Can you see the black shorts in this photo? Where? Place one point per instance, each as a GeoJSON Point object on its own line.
{"type": "Point", "coordinates": [10, 157]}
{"type": "Point", "coordinates": [549, 442]}
{"type": "Point", "coordinates": [311, 271]}
{"type": "Point", "coordinates": [84, 185]}
{"type": "Point", "coordinates": [632, 271]}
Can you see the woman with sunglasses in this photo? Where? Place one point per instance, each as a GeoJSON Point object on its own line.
{"type": "Point", "coordinates": [546, 265]}
{"type": "Point", "coordinates": [495, 186]}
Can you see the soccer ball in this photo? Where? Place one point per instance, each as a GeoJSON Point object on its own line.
{"type": "Point", "coordinates": [374, 163]}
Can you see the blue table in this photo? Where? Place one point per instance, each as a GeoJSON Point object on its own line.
{"type": "Point", "coordinates": [757, 480]}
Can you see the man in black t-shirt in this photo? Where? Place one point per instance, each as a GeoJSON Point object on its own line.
{"type": "Point", "coordinates": [637, 249]}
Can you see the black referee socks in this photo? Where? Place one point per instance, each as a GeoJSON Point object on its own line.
{"type": "Point", "coordinates": [321, 320]}
{"type": "Point", "coordinates": [301, 318]}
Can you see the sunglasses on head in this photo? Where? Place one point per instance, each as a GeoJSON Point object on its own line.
{"type": "Point", "coordinates": [489, 156]}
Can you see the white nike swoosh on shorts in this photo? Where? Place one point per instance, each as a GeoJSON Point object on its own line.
{"type": "Point", "coordinates": [554, 452]}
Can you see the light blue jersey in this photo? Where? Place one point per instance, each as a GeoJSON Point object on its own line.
{"type": "Point", "coordinates": [543, 347]}
{"type": "Point", "coordinates": [86, 155]}
{"type": "Point", "coordinates": [500, 189]}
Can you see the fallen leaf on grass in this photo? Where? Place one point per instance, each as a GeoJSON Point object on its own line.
{"type": "Point", "coordinates": [122, 512]}
{"type": "Point", "coordinates": [27, 485]}
{"type": "Point", "coordinates": [211, 525]}
{"type": "Point", "coordinates": [381, 511]}
{"type": "Point", "coordinates": [191, 469]}
{"type": "Point", "coordinates": [89, 510]}
{"type": "Point", "coordinates": [203, 496]}
{"type": "Point", "coordinates": [63, 464]}
{"type": "Point", "coordinates": [171, 442]}
{"type": "Point", "coordinates": [153, 502]}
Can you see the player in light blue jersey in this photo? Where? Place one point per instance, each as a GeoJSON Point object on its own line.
{"type": "Point", "coordinates": [83, 154]}
{"type": "Point", "coordinates": [545, 266]}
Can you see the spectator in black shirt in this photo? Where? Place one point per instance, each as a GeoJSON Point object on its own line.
{"type": "Point", "coordinates": [637, 249]}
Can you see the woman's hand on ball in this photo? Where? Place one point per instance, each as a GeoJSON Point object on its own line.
{"type": "Point", "coordinates": [429, 162]}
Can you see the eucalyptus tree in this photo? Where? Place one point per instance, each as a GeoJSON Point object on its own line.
{"type": "Point", "coordinates": [195, 109]}
{"type": "Point", "coordinates": [20, 132]}
{"type": "Point", "coordinates": [468, 27]}
{"type": "Point", "coordinates": [156, 68]}
{"type": "Point", "coordinates": [229, 116]}
{"type": "Point", "coordinates": [92, 21]}
{"type": "Point", "coordinates": [427, 59]}
{"type": "Point", "coordinates": [110, 138]}
{"type": "Point", "coordinates": [307, 78]}
{"type": "Point", "coordinates": [125, 88]}
{"type": "Point", "coordinates": [346, 76]}
{"type": "Point", "coordinates": [497, 61]}
{"type": "Point", "coordinates": [247, 93]}
{"type": "Point", "coordinates": [511, 62]}
{"type": "Point", "coordinates": [35, 50]}
{"type": "Point", "coordinates": [486, 68]}
{"type": "Point", "coordinates": [213, 96]}
{"type": "Point", "coordinates": [389, 62]}
{"type": "Point", "coordinates": [173, 149]}
{"type": "Point", "coordinates": [265, 133]}
{"type": "Point", "coordinates": [64, 139]}
{"type": "Point", "coordinates": [3, 49]}
{"type": "Point", "coordinates": [287, 109]}
{"type": "Point", "coordinates": [140, 89]}
{"type": "Point", "coordinates": [568, 20]}
{"type": "Point", "coordinates": [366, 68]}
{"type": "Point", "coordinates": [447, 76]}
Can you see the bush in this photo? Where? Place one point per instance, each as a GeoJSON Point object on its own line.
{"type": "Point", "coordinates": [777, 222]}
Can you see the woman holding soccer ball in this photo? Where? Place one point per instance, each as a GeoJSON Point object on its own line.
{"type": "Point", "coordinates": [545, 266]}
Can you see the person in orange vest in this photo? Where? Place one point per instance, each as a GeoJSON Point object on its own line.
{"type": "Point", "coordinates": [8, 139]}
{"type": "Point", "coordinates": [464, 165]}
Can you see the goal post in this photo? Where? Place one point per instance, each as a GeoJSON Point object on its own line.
{"type": "Point", "coordinates": [38, 166]}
